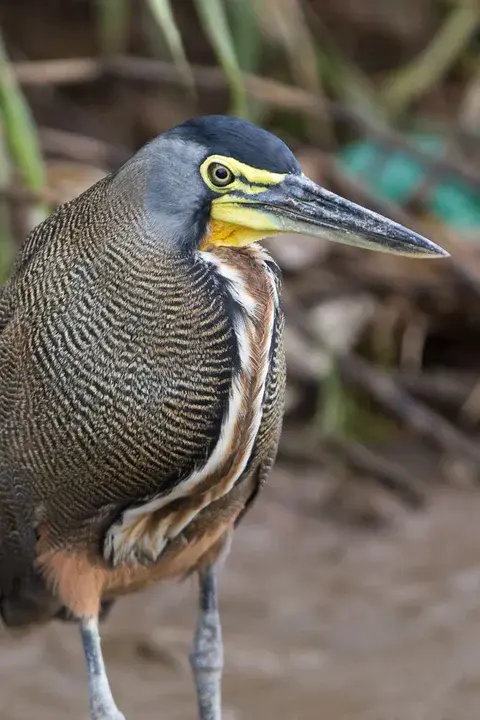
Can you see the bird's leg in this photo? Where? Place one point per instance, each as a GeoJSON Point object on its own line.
{"type": "Point", "coordinates": [102, 704]}
{"type": "Point", "coordinates": [206, 657]}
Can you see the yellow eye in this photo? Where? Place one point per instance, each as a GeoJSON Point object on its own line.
{"type": "Point", "coordinates": [220, 175]}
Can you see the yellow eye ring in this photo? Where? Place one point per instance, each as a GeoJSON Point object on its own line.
{"type": "Point", "coordinates": [220, 175]}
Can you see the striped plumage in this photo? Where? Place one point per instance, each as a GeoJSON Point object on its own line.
{"type": "Point", "coordinates": [120, 362]}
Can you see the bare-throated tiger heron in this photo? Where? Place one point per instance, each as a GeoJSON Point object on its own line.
{"type": "Point", "coordinates": [142, 377]}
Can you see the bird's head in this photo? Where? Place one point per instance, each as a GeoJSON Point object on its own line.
{"type": "Point", "coordinates": [218, 180]}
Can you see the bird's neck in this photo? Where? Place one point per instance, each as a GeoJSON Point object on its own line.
{"type": "Point", "coordinates": [224, 234]}
{"type": "Point", "coordinates": [252, 277]}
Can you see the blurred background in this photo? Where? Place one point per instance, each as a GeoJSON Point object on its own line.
{"type": "Point", "coordinates": [353, 587]}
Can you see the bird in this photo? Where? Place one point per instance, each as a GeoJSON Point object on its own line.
{"type": "Point", "coordinates": [142, 378]}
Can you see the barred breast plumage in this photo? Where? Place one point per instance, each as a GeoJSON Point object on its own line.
{"type": "Point", "coordinates": [139, 391]}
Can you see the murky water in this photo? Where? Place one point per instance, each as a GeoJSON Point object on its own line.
{"type": "Point", "coordinates": [320, 623]}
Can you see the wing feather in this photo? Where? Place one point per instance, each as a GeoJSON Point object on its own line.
{"type": "Point", "coordinates": [24, 599]}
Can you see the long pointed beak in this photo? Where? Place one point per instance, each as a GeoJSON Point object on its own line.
{"type": "Point", "coordinates": [298, 205]}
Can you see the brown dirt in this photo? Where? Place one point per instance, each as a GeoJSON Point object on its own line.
{"type": "Point", "coordinates": [319, 622]}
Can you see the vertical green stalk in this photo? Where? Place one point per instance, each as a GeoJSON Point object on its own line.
{"type": "Point", "coordinates": [247, 40]}
{"type": "Point", "coordinates": [21, 135]}
{"type": "Point", "coordinates": [6, 236]}
{"type": "Point", "coordinates": [162, 12]}
{"type": "Point", "coordinates": [246, 33]}
{"type": "Point", "coordinates": [331, 416]}
{"type": "Point", "coordinates": [213, 17]}
{"type": "Point", "coordinates": [113, 20]}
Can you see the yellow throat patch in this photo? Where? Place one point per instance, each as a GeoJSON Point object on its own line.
{"type": "Point", "coordinates": [225, 233]}
{"type": "Point", "coordinates": [234, 222]}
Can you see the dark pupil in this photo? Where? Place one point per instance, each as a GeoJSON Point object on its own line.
{"type": "Point", "coordinates": [221, 173]}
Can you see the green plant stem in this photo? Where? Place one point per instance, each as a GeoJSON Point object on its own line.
{"type": "Point", "coordinates": [162, 12]}
{"type": "Point", "coordinates": [215, 24]}
{"type": "Point", "coordinates": [113, 18]}
{"type": "Point", "coordinates": [6, 236]}
{"type": "Point", "coordinates": [21, 135]}
{"type": "Point", "coordinates": [431, 65]}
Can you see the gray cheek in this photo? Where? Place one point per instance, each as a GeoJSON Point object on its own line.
{"type": "Point", "coordinates": [167, 228]}
{"type": "Point", "coordinates": [173, 211]}
{"type": "Point", "coordinates": [164, 179]}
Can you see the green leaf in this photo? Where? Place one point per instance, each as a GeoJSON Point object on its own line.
{"type": "Point", "coordinates": [6, 236]}
{"type": "Point", "coordinates": [162, 12]}
{"type": "Point", "coordinates": [113, 22]}
{"type": "Point", "coordinates": [215, 24]}
{"type": "Point", "coordinates": [246, 33]}
{"type": "Point", "coordinates": [21, 133]}
{"type": "Point", "coordinates": [332, 415]}
{"type": "Point", "coordinates": [247, 38]}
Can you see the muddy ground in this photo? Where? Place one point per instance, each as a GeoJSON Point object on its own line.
{"type": "Point", "coordinates": [321, 622]}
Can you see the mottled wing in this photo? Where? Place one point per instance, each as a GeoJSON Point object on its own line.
{"type": "Point", "coordinates": [23, 596]}
{"type": "Point", "coordinates": [17, 542]}
{"type": "Point", "coordinates": [3, 307]}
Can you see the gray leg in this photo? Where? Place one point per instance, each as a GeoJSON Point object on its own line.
{"type": "Point", "coordinates": [207, 655]}
{"type": "Point", "coordinates": [102, 704]}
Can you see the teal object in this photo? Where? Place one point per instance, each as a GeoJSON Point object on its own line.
{"type": "Point", "coordinates": [396, 175]}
